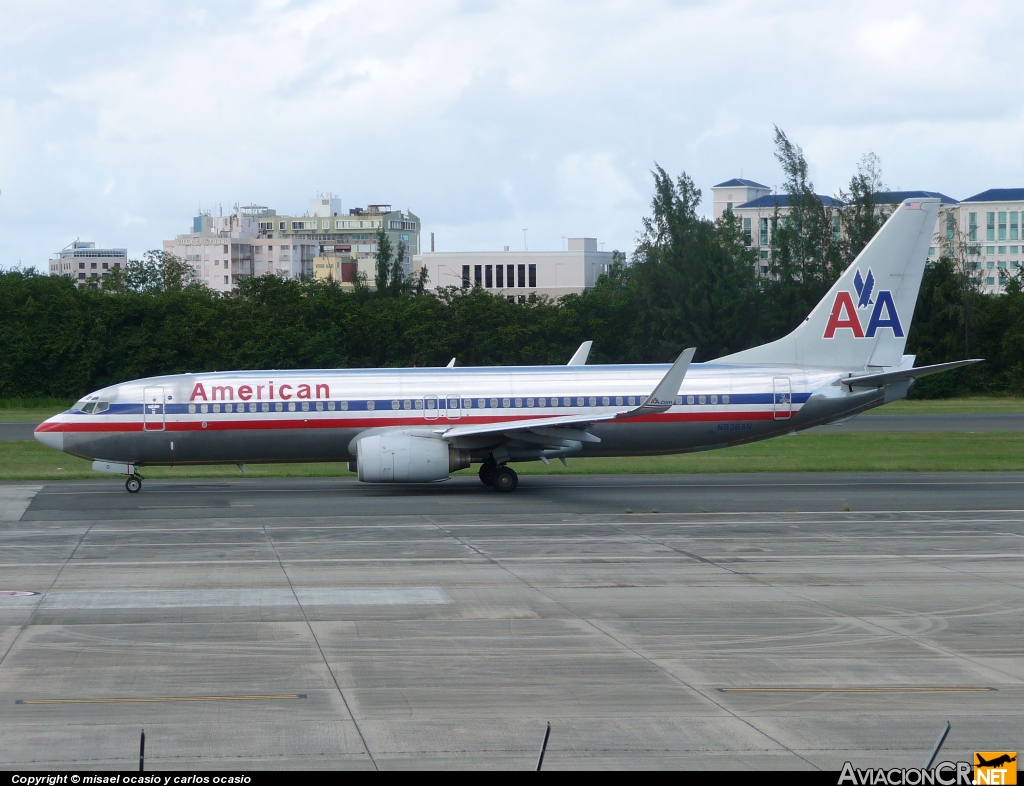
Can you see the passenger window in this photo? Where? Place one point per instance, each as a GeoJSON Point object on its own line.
{"type": "Point", "coordinates": [216, 407]}
{"type": "Point", "coordinates": [320, 406]}
{"type": "Point", "coordinates": [632, 401]}
{"type": "Point", "coordinates": [418, 403]}
{"type": "Point", "coordinates": [330, 406]}
{"type": "Point", "coordinates": [494, 402]}
{"type": "Point", "coordinates": [506, 402]}
{"type": "Point", "coordinates": [204, 408]}
{"type": "Point", "coordinates": [519, 402]}
{"type": "Point", "coordinates": [279, 407]}
{"type": "Point", "coordinates": [714, 399]}
{"type": "Point", "coordinates": [395, 404]}
{"type": "Point", "coordinates": [702, 399]}
{"type": "Point", "coordinates": [407, 404]}
{"type": "Point", "coordinates": [481, 403]}
{"type": "Point", "coordinates": [579, 401]}
{"type": "Point", "coordinates": [305, 406]}
{"type": "Point", "coordinates": [618, 401]}
{"type": "Point", "coordinates": [725, 399]}
{"type": "Point", "coordinates": [371, 404]}
{"type": "Point", "coordinates": [529, 402]}
{"type": "Point", "coordinates": [265, 407]}
{"type": "Point", "coordinates": [291, 406]}
{"type": "Point", "coordinates": [191, 409]}
{"type": "Point", "coordinates": [605, 401]}
{"type": "Point", "coordinates": [344, 406]}
{"type": "Point", "coordinates": [541, 402]}
{"type": "Point", "coordinates": [689, 399]}
{"type": "Point", "coordinates": [593, 401]}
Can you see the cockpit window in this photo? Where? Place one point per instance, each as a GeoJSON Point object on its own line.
{"type": "Point", "coordinates": [79, 406]}
{"type": "Point", "coordinates": [101, 406]}
{"type": "Point", "coordinates": [88, 408]}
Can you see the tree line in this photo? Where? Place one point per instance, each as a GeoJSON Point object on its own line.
{"type": "Point", "coordinates": [689, 282]}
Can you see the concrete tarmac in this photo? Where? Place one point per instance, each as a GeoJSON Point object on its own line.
{"type": "Point", "coordinates": [754, 621]}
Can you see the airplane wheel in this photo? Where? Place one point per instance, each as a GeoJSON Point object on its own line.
{"type": "Point", "coordinates": [487, 474]}
{"type": "Point", "coordinates": [505, 479]}
{"type": "Point", "coordinates": [133, 485]}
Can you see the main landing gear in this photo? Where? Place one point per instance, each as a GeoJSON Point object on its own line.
{"type": "Point", "coordinates": [502, 478]}
{"type": "Point", "coordinates": [133, 484]}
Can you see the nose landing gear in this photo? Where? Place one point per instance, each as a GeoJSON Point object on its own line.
{"type": "Point", "coordinates": [133, 484]}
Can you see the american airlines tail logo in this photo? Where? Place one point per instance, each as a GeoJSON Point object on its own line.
{"type": "Point", "coordinates": [846, 315]}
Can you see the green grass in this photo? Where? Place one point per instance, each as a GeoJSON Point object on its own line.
{"type": "Point", "coordinates": [853, 452]}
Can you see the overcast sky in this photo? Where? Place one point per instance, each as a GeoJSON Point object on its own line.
{"type": "Point", "coordinates": [118, 121]}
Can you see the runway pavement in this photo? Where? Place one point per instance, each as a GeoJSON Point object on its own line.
{"type": "Point", "coordinates": [754, 621]}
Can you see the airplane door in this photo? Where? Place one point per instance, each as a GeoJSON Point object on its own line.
{"type": "Point", "coordinates": [783, 398]}
{"type": "Point", "coordinates": [454, 408]}
{"type": "Point", "coordinates": [153, 418]}
{"type": "Point", "coordinates": [430, 407]}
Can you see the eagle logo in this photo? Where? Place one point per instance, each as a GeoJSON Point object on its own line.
{"type": "Point", "coordinates": [865, 286]}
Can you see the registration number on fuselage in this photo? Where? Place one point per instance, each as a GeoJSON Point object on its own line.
{"type": "Point", "coordinates": [735, 426]}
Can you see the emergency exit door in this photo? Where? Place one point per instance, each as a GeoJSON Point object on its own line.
{"type": "Point", "coordinates": [783, 398]}
{"type": "Point", "coordinates": [153, 418]}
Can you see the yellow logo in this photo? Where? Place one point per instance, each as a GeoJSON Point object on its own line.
{"type": "Point", "coordinates": [995, 767]}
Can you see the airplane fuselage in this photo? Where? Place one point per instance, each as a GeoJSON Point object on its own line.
{"type": "Point", "coordinates": [314, 415]}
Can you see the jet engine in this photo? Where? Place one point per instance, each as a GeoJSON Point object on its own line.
{"type": "Point", "coordinates": [401, 458]}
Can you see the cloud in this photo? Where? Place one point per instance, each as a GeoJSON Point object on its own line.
{"type": "Point", "coordinates": [481, 117]}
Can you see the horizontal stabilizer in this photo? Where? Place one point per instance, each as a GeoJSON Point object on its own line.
{"type": "Point", "coordinates": [889, 377]}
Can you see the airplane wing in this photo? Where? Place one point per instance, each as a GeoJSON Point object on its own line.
{"type": "Point", "coordinates": [662, 397]}
{"type": "Point", "coordinates": [889, 377]}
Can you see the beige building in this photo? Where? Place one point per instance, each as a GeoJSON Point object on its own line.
{"type": "Point", "coordinates": [84, 263]}
{"type": "Point", "coordinates": [756, 207]}
{"type": "Point", "coordinates": [992, 225]}
{"type": "Point", "coordinates": [517, 274]}
{"type": "Point", "coordinates": [254, 240]}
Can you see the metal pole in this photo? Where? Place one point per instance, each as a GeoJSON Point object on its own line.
{"type": "Point", "coordinates": [938, 744]}
{"type": "Point", "coordinates": [142, 750]}
{"type": "Point", "coordinates": [543, 747]}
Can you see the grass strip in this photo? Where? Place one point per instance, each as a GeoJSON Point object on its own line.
{"type": "Point", "coordinates": [851, 452]}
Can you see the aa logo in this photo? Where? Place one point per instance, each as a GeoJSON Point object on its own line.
{"type": "Point", "coordinates": [846, 314]}
{"type": "Point", "coordinates": [995, 767]}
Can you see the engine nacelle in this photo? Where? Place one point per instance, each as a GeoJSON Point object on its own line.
{"type": "Point", "coordinates": [401, 458]}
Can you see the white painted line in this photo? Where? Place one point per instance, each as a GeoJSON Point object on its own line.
{"type": "Point", "coordinates": [14, 500]}
{"type": "Point", "coordinates": [238, 597]}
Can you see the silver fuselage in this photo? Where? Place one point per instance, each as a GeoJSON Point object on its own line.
{"type": "Point", "coordinates": [313, 415]}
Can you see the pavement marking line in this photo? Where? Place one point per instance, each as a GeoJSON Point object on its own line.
{"type": "Point", "coordinates": [922, 689]}
{"type": "Point", "coordinates": [137, 700]}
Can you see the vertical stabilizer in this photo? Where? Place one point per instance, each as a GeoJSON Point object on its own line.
{"type": "Point", "coordinates": [864, 319]}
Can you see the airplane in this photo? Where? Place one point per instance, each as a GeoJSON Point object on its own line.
{"type": "Point", "coordinates": [421, 424]}
{"type": "Point", "coordinates": [996, 762]}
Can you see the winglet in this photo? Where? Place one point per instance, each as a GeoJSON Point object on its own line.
{"type": "Point", "coordinates": [580, 358]}
{"type": "Point", "coordinates": [664, 396]}
{"type": "Point", "coordinates": [451, 363]}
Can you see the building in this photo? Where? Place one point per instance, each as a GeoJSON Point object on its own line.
{"type": "Point", "coordinates": [991, 227]}
{"type": "Point", "coordinates": [757, 213]}
{"type": "Point", "coordinates": [254, 241]}
{"type": "Point", "coordinates": [518, 274]}
{"type": "Point", "coordinates": [84, 263]}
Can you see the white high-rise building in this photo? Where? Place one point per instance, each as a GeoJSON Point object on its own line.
{"type": "Point", "coordinates": [84, 263]}
{"type": "Point", "coordinates": [518, 274]}
{"type": "Point", "coordinates": [254, 240]}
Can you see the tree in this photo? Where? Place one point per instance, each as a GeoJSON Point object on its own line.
{"type": "Point", "coordinates": [861, 213]}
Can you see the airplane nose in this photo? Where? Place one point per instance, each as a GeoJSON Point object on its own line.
{"type": "Point", "coordinates": [50, 438]}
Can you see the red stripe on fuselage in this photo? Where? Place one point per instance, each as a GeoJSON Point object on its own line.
{"type": "Point", "coordinates": [335, 423]}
